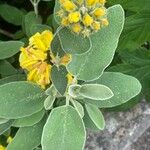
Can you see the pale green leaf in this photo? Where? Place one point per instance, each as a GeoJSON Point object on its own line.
{"type": "Point", "coordinates": [27, 138]}
{"type": "Point", "coordinates": [95, 115]}
{"type": "Point", "coordinates": [96, 91]}
{"type": "Point", "coordinates": [78, 107]}
{"type": "Point", "coordinates": [59, 78]}
{"type": "Point", "coordinates": [30, 120]}
{"type": "Point", "coordinates": [9, 48]}
{"type": "Point", "coordinates": [5, 126]}
{"type": "Point", "coordinates": [73, 43]}
{"type": "Point", "coordinates": [124, 87]}
{"type": "Point", "coordinates": [64, 130]}
{"type": "Point", "coordinates": [20, 99]}
{"type": "Point", "coordinates": [104, 43]}
{"type": "Point", "coordinates": [12, 78]}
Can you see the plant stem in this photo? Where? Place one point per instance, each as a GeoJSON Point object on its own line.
{"type": "Point", "coordinates": [6, 33]}
{"type": "Point", "coordinates": [67, 100]}
{"type": "Point", "coordinates": [35, 4]}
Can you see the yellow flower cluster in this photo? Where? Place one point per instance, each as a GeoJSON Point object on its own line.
{"type": "Point", "coordinates": [2, 147]}
{"type": "Point", "coordinates": [35, 58]}
{"type": "Point", "coordinates": [83, 16]}
{"type": "Point", "coordinates": [9, 140]}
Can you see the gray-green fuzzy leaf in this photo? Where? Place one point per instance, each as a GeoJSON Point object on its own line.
{"type": "Point", "coordinates": [91, 65]}
{"type": "Point", "coordinates": [73, 43]}
{"type": "Point", "coordinates": [95, 91]}
{"type": "Point", "coordinates": [9, 48]}
{"type": "Point", "coordinates": [124, 87]}
{"type": "Point", "coordinates": [95, 115]}
{"type": "Point", "coordinates": [30, 120]}
{"type": "Point", "coordinates": [64, 130]}
{"type": "Point", "coordinates": [20, 99]}
{"type": "Point", "coordinates": [27, 138]}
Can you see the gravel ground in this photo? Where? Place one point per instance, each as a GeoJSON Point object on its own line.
{"type": "Point", "coordinates": [124, 131]}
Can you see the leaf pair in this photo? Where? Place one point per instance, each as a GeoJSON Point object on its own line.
{"type": "Point", "coordinates": [91, 91]}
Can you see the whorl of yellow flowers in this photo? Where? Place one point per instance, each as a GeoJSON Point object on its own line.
{"type": "Point", "coordinates": [83, 16]}
{"type": "Point", "coordinates": [35, 58]}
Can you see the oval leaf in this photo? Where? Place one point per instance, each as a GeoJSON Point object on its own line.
{"type": "Point", "coordinates": [78, 107]}
{"type": "Point", "coordinates": [95, 91]}
{"type": "Point", "coordinates": [73, 43]}
{"type": "Point", "coordinates": [9, 48]}
{"type": "Point", "coordinates": [91, 65]}
{"type": "Point", "coordinates": [5, 126]}
{"type": "Point", "coordinates": [124, 87]}
{"type": "Point", "coordinates": [11, 14]}
{"type": "Point", "coordinates": [21, 98]}
{"type": "Point", "coordinates": [30, 120]}
{"type": "Point", "coordinates": [27, 138]}
{"type": "Point", "coordinates": [95, 115]}
{"type": "Point", "coordinates": [59, 78]}
{"type": "Point", "coordinates": [64, 130]}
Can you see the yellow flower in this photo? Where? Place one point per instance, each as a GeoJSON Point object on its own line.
{"type": "Point", "coordinates": [29, 57]}
{"type": "Point", "coordinates": [99, 12]}
{"type": "Point", "coordinates": [41, 41]}
{"type": "Point", "coordinates": [76, 28]}
{"type": "Point", "coordinates": [2, 147]}
{"type": "Point", "coordinates": [102, 2]}
{"type": "Point", "coordinates": [74, 17]}
{"type": "Point", "coordinates": [68, 5]}
{"type": "Point", "coordinates": [87, 20]}
{"type": "Point", "coordinates": [40, 74]}
{"type": "Point", "coordinates": [91, 2]}
{"type": "Point", "coordinates": [80, 15]}
{"type": "Point", "coordinates": [96, 25]}
{"type": "Point", "coordinates": [33, 58]}
{"type": "Point", "coordinates": [65, 21]}
{"type": "Point", "coordinates": [9, 139]}
{"type": "Point", "coordinates": [65, 59]}
{"type": "Point", "coordinates": [70, 78]}
{"type": "Point", "coordinates": [60, 61]}
{"type": "Point", "coordinates": [105, 22]}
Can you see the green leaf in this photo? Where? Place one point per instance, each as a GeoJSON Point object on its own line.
{"type": "Point", "coordinates": [73, 90]}
{"type": "Point", "coordinates": [30, 120]}
{"type": "Point", "coordinates": [89, 124]}
{"type": "Point", "coordinates": [6, 69]}
{"type": "Point", "coordinates": [73, 43]}
{"type": "Point", "coordinates": [136, 31]}
{"type": "Point", "coordinates": [5, 126]}
{"type": "Point", "coordinates": [124, 87]}
{"type": "Point", "coordinates": [39, 28]}
{"type": "Point", "coordinates": [29, 20]}
{"type": "Point", "coordinates": [9, 48]}
{"type": "Point", "coordinates": [12, 78]}
{"type": "Point", "coordinates": [63, 130]}
{"type": "Point", "coordinates": [11, 14]}
{"type": "Point", "coordinates": [27, 138]}
{"type": "Point", "coordinates": [91, 65]}
{"type": "Point", "coordinates": [56, 10]}
{"type": "Point", "coordinates": [3, 120]}
{"type": "Point", "coordinates": [59, 78]}
{"type": "Point", "coordinates": [95, 92]}
{"type": "Point", "coordinates": [96, 116]}
{"type": "Point", "coordinates": [49, 101]}
{"type": "Point", "coordinates": [21, 98]}
{"type": "Point", "coordinates": [78, 107]}
{"type": "Point", "coordinates": [134, 5]}
{"type": "Point", "coordinates": [56, 47]}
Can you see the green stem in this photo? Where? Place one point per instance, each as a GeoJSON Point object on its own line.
{"type": "Point", "coordinates": [67, 100]}
{"type": "Point", "coordinates": [6, 33]}
{"type": "Point", "coordinates": [35, 4]}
